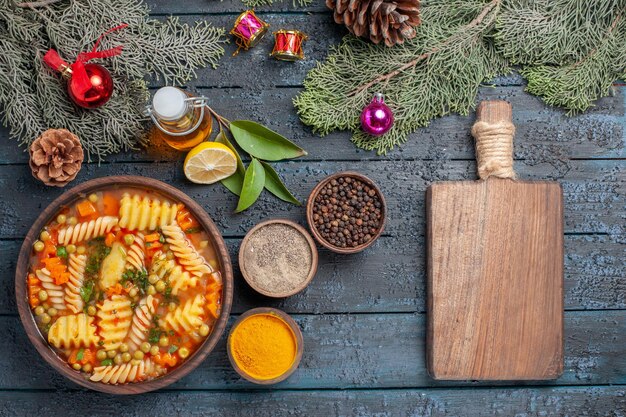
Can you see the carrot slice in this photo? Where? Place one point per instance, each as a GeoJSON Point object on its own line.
{"type": "Point", "coordinates": [109, 239]}
{"type": "Point", "coordinates": [85, 208]}
{"type": "Point", "coordinates": [154, 237]}
{"type": "Point", "coordinates": [111, 205]}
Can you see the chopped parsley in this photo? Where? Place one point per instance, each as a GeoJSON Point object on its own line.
{"type": "Point", "coordinates": [80, 354]}
{"type": "Point", "coordinates": [106, 362]}
{"type": "Point", "coordinates": [86, 291]}
{"type": "Point", "coordinates": [138, 278]}
{"type": "Point", "coordinates": [61, 252]}
{"type": "Point", "coordinates": [192, 230]}
{"type": "Point", "coordinates": [100, 251]}
{"type": "Point", "coordinates": [172, 349]}
{"type": "Point", "coordinates": [154, 335]}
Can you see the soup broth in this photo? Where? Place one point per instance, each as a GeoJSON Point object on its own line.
{"type": "Point", "coordinates": [124, 284]}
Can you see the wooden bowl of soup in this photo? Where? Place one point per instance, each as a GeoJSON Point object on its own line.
{"type": "Point", "coordinates": [124, 284]}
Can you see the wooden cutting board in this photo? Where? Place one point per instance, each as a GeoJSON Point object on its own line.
{"type": "Point", "coordinates": [495, 266]}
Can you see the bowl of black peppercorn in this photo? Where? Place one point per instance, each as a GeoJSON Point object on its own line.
{"type": "Point", "coordinates": [346, 212]}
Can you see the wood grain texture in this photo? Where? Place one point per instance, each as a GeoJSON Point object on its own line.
{"type": "Point", "coordinates": [495, 280]}
{"type": "Point", "coordinates": [594, 192]}
{"type": "Point", "coordinates": [360, 351]}
{"type": "Point", "coordinates": [376, 348]}
{"type": "Point", "coordinates": [528, 402]}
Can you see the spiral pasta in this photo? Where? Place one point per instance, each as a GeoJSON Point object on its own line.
{"type": "Point", "coordinates": [73, 331]}
{"type": "Point", "coordinates": [185, 253]}
{"type": "Point", "coordinates": [135, 257]}
{"type": "Point", "coordinates": [145, 214]}
{"type": "Point", "coordinates": [142, 319]}
{"type": "Point", "coordinates": [87, 230]}
{"type": "Point", "coordinates": [179, 279]}
{"type": "Point", "coordinates": [186, 318]}
{"type": "Point", "coordinates": [55, 292]}
{"type": "Point", "coordinates": [73, 299]}
{"type": "Point", "coordinates": [115, 317]}
{"type": "Point", "coordinates": [126, 372]}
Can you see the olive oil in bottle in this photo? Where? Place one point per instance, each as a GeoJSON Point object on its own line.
{"type": "Point", "coordinates": [180, 119]}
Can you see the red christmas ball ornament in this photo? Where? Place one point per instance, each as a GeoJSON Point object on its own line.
{"type": "Point", "coordinates": [89, 85]}
{"type": "Point", "coordinates": [376, 117]}
{"type": "Point", "coordinates": [99, 91]}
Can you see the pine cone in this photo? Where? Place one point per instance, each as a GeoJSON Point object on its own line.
{"type": "Point", "coordinates": [56, 157]}
{"type": "Point", "coordinates": [393, 21]}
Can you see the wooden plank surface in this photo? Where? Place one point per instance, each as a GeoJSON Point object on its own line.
{"type": "Point", "coordinates": [362, 316]}
{"type": "Point", "coordinates": [356, 351]}
{"type": "Point", "coordinates": [583, 401]}
{"type": "Point", "coordinates": [594, 191]}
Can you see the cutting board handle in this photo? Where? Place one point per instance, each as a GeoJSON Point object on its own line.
{"type": "Point", "coordinates": [494, 131]}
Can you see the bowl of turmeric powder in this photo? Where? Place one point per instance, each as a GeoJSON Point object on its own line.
{"type": "Point", "coordinates": [265, 346]}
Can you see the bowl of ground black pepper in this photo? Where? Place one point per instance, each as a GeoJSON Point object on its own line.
{"type": "Point", "coordinates": [346, 212]}
{"type": "Point", "coordinates": [278, 258]}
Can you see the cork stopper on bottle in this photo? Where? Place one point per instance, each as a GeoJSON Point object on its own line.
{"type": "Point", "coordinates": [494, 131]}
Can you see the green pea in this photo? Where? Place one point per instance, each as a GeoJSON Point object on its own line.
{"type": "Point", "coordinates": [153, 278]}
{"type": "Point", "coordinates": [123, 347]}
{"type": "Point", "coordinates": [87, 367]}
{"type": "Point", "coordinates": [151, 290]}
{"type": "Point", "coordinates": [145, 347]}
{"type": "Point", "coordinates": [126, 357]}
{"type": "Point", "coordinates": [118, 359]}
{"type": "Point", "coordinates": [93, 197]}
{"type": "Point", "coordinates": [133, 292]}
{"type": "Point", "coordinates": [77, 366]}
{"type": "Point", "coordinates": [101, 355]}
{"type": "Point", "coordinates": [138, 355]}
{"type": "Point", "coordinates": [111, 353]}
{"type": "Point", "coordinates": [91, 310]}
{"type": "Point", "coordinates": [183, 352]}
{"type": "Point", "coordinates": [43, 295]}
{"type": "Point", "coordinates": [38, 246]}
{"type": "Point", "coordinates": [44, 236]}
{"type": "Point", "coordinates": [45, 318]}
{"type": "Point", "coordinates": [81, 249]}
{"type": "Point", "coordinates": [39, 310]}
{"type": "Point", "coordinates": [164, 341]}
{"type": "Point", "coordinates": [204, 330]}
{"type": "Point", "coordinates": [160, 286]}
{"type": "Point", "coordinates": [70, 248]}
{"type": "Point", "coordinates": [53, 311]}
{"type": "Point", "coordinates": [61, 218]}
{"type": "Point", "coordinates": [129, 239]}
{"type": "Point", "coordinates": [154, 350]}
{"type": "Point", "coordinates": [72, 221]}
{"type": "Point", "coordinates": [135, 362]}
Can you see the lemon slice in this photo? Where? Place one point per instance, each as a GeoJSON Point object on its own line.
{"type": "Point", "coordinates": [210, 162]}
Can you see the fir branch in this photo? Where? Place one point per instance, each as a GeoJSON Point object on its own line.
{"type": "Point", "coordinates": [257, 3]}
{"type": "Point", "coordinates": [33, 99]}
{"type": "Point", "coordinates": [575, 86]}
{"type": "Point", "coordinates": [436, 73]}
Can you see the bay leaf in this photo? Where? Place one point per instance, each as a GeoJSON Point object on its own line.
{"type": "Point", "coordinates": [263, 143]}
{"type": "Point", "coordinates": [253, 184]}
{"type": "Point", "coordinates": [275, 185]}
{"type": "Point", "coordinates": [235, 181]}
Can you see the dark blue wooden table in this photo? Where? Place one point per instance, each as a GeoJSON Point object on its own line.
{"type": "Point", "coordinates": [363, 316]}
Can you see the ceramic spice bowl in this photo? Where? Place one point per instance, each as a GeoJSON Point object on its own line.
{"type": "Point", "coordinates": [278, 258]}
{"type": "Point", "coordinates": [346, 212]}
{"type": "Point", "coordinates": [265, 346]}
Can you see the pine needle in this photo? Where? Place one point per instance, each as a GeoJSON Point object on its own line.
{"type": "Point", "coordinates": [570, 51]}
{"type": "Point", "coordinates": [33, 98]}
